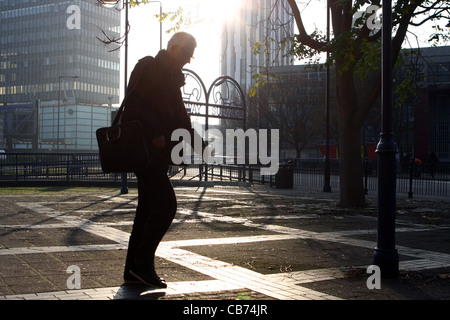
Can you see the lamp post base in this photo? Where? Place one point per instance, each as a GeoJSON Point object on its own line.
{"type": "Point", "coordinates": [387, 260]}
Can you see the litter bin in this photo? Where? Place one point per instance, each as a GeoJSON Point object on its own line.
{"type": "Point", "coordinates": [284, 178]}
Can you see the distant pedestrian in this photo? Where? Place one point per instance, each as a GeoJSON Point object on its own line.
{"type": "Point", "coordinates": [154, 97]}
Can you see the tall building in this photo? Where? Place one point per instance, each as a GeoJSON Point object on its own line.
{"type": "Point", "coordinates": [49, 52]}
{"type": "Point", "coordinates": [421, 118]}
{"type": "Point", "coordinates": [257, 22]}
{"type": "Point", "coordinates": [428, 114]}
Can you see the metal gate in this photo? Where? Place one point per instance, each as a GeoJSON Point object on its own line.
{"type": "Point", "coordinates": [223, 101]}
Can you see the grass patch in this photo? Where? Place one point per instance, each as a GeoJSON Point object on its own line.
{"type": "Point", "coordinates": [56, 189]}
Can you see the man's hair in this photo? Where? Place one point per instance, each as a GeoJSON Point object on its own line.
{"type": "Point", "coordinates": [183, 40]}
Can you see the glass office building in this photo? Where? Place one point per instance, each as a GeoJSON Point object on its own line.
{"type": "Point", "coordinates": [49, 52]}
{"type": "Point", "coordinates": [78, 123]}
{"type": "Point", "coordinates": [255, 22]}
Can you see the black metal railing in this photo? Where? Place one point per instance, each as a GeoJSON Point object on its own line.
{"type": "Point", "coordinates": [411, 178]}
{"type": "Point", "coordinates": [52, 166]}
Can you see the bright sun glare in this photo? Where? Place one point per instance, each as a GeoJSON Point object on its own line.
{"type": "Point", "coordinates": [207, 18]}
{"type": "Point", "coordinates": [218, 11]}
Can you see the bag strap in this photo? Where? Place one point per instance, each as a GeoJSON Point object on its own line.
{"type": "Point", "coordinates": [118, 117]}
{"type": "Point", "coordinates": [129, 90]}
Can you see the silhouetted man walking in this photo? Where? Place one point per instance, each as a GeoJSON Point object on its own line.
{"type": "Point", "coordinates": [154, 97]}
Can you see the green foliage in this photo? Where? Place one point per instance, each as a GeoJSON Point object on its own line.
{"type": "Point", "coordinates": [303, 52]}
{"type": "Point", "coordinates": [134, 3]}
{"type": "Point", "coordinates": [261, 80]}
{"type": "Point", "coordinates": [370, 59]}
{"type": "Point", "coordinates": [406, 89]}
{"type": "Point", "coordinates": [177, 18]}
{"type": "Point", "coordinates": [439, 35]}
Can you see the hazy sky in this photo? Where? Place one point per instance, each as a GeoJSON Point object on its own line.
{"type": "Point", "coordinates": [145, 32]}
{"type": "Point", "coordinates": [209, 15]}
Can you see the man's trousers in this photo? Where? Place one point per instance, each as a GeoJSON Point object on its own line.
{"type": "Point", "coordinates": [154, 214]}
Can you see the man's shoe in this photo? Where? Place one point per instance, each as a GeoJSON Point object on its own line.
{"type": "Point", "coordinates": [149, 278]}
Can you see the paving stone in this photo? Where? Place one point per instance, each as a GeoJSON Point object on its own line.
{"type": "Point", "coordinates": [226, 243]}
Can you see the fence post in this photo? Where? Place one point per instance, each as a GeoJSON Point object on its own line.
{"type": "Point", "coordinates": [68, 168]}
{"type": "Point", "coordinates": [411, 174]}
{"type": "Point", "coordinates": [366, 173]}
{"type": "Point", "coordinates": [17, 167]}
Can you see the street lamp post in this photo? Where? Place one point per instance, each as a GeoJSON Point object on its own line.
{"type": "Point", "coordinates": [110, 4]}
{"type": "Point", "coordinates": [59, 104]}
{"type": "Point", "coordinates": [327, 186]}
{"type": "Point", "coordinates": [160, 23]}
{"type": "Point", "coordinates": [386, 256]}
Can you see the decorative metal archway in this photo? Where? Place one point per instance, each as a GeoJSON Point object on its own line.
{"type": "Point", "coordinates": [224, 100]}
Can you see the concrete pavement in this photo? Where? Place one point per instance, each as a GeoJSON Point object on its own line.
{"type": "Point", "coordinates": [228, 242]}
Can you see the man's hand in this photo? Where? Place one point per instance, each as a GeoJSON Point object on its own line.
{"type": "Point", "coordinates": [159, 142]}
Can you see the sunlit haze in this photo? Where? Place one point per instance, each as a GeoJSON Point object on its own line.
{"type": "Point", "coordinates": [207, 17]}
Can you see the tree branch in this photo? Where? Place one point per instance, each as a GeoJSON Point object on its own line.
{"type": "Point", "coordinates": [403, 23]}
{"type": "Point", "coordinates": [303, 36]}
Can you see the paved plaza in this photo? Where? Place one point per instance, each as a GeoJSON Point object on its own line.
{"type": "Point", "coordinates": [228, 242]}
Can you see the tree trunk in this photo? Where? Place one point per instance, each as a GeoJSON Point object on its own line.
{"type": "Point", "coordinates": [350, 121]}
{"type": "Point", "coordinates": [351, 170]}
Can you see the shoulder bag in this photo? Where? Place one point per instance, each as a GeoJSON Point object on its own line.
{"type": "Point", "coordinates": [122, 146]}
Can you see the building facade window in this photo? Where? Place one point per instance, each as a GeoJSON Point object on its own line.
{"type": "Point", "coordinates": [37, 49]}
